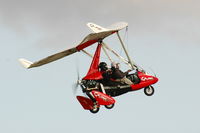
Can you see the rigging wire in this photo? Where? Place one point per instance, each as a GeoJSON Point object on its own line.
{"type": "Point", "coordinates": [127, 42]}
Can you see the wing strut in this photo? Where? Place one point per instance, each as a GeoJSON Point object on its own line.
{"type": "Point", "coordinates": [85, 52]}
{"type": "Point", "coordinates": [126, 52]}
{"type": "Point", "coordinates": [115, 53]}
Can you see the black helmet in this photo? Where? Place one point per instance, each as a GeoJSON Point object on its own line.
{"type": "Point", "coordinates": [103, 66]}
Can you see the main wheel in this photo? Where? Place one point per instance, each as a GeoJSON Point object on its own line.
{"type": "Point", "coordinates": [94, 110]}
{"type": "Point", "coordinates": [149, 91]}
{"type": "Point", "coordinates": [110, 106]}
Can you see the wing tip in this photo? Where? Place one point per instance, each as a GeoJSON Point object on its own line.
{"type": "Point", "coordinates": [115, 27]}
{"type": "Point", "coordinates": [25, 63]}
{"type": "Point", "coordinates": [118, 26]}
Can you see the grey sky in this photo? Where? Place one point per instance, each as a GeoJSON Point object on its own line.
{"type": "Point", "coordinates": [163, 35]}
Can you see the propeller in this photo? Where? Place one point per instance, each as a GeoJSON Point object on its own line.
{"type": "Point", "coordinates": [78, 82]}
{"type": "Point", "coordinates": [153, 71]}
{"type": "Point", "coordinates": [75, 88]}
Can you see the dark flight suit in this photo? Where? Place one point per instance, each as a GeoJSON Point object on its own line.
{"type": "Point", "coordinates": [120, 76]}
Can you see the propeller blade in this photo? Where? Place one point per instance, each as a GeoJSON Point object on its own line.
{"type": "Point", "coordinates": [75, 85]}
{"type": "Point", "coordinates": [75, 88]}
{"type": "Point", "coordinates": [153, 72]}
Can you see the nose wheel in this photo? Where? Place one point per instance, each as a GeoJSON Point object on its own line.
{"type": "Point", "coordinates": [110, 106]}
{"type": "Point", "coordinates": [149, 91]}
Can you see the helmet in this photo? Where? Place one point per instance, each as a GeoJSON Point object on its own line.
{"type": "Point", "coordinates": [103, 66]}
{"type": "Point", "coordinates": [114, 64]}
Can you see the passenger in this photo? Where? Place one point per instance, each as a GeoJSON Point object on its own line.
{"type": "Point", "coordinates": [118, 75]}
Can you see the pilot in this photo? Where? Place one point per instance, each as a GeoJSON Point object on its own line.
{"type": "Point", "coordinates": [106, 73]}
{"type": "Point", "coordinates": [118, 75]}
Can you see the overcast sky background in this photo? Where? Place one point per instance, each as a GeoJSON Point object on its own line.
{"type": "Point", "coordinates": [162, 35]}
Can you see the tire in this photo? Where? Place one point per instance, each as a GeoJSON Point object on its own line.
{"type": "Point", "coordinates": [95, 110]}
{"type": "Point", "coordinates": [149, 91]}
{"type": "Point", "coordinates": [109, 106]}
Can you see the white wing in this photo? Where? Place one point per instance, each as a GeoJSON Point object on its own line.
{"type": "Point", "coordinates": [115, 27]}
{"type": "Point", "coordinates": [99, 35]}
{"type": "Point", "coordinates": [28, 64]}
{"type": "Point", "coordinates": [118, 26]}
{"type": "Point", "coordinates": [87, 41]}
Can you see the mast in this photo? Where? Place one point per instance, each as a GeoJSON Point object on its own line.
{"type": "Point", "coordinates": [103, 46]}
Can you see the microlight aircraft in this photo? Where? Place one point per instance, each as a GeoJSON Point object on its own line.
{"type": "Point", "coordinates": [97, 93]}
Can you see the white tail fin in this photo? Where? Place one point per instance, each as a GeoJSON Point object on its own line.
{"type": "Point", "coordinates": [25, 63]}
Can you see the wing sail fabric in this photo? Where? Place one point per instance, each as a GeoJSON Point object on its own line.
{"type": "Point", "coordinates": [114, 27]}
{"type": "Point", "coordinates": [28, 64]}
{"type": "Point", "coordinates": [93, 38]}
{"type": "Point", "coordinates": [96, 28]}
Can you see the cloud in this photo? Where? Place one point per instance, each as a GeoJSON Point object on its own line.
{"type": "Point", "coordinates": [61, 21]}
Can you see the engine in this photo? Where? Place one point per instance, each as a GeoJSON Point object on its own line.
{"type": "Point", "coordinates": [89, 83]}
